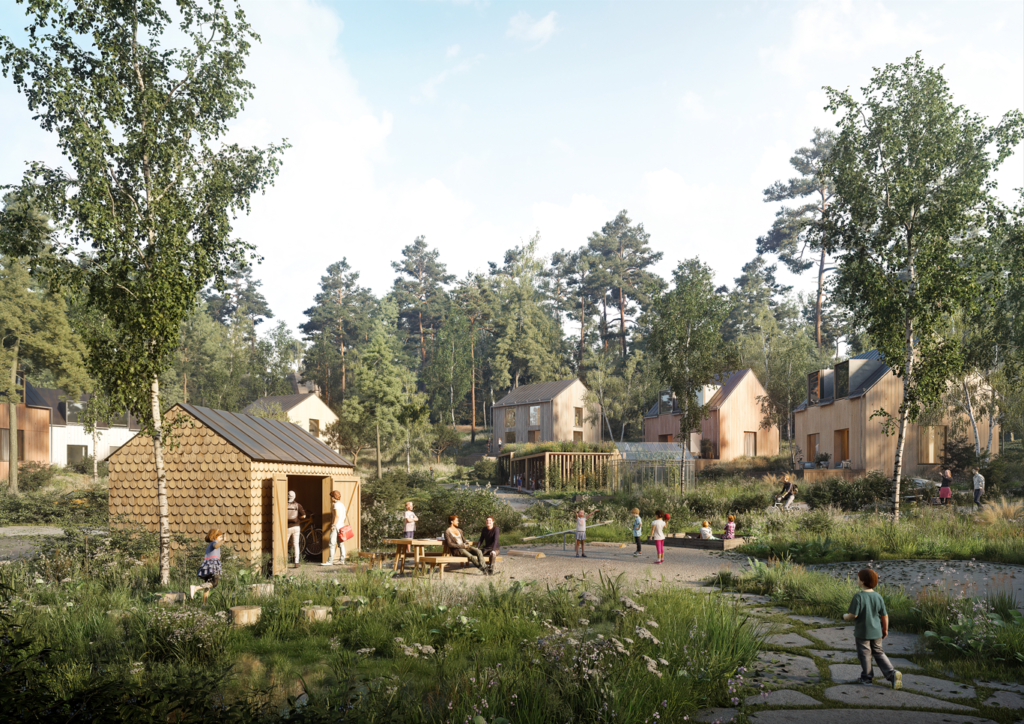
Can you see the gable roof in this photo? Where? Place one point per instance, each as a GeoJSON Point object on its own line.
{"type": "Point", "coordinates": [266, 440]}
{"type": "Point", "coordinates": [541, 392]}
{"type": "Point", "coordinates": [287, 402]}
{"type": "Point", "coordinates": [727, 382]}
{"type": "Point", "coordinates": [870, 381]}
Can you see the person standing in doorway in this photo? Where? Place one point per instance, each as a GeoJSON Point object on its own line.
{"type": "Point", "coordinates": [296, 513]}
{"type": "Point", "coordinates": [338, 520]}
{"type": "Point", "coordinates": [979, 487]}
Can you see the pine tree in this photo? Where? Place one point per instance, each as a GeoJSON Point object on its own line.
{"type": "Point", "coordinates": [419, 292]}
{"type": "Point", "coordinates": [476, 299]}
{"type": "Point", "coordinates": [380, 389]}
{"type": "Point", "coordinates": [447, 377]}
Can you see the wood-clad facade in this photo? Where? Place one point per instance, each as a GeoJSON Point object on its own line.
{"type": "Point", "coordinates": [844, 427]}
{"type": "Point", "coordinates": [733, 426]}
{"type": "Point", "coordinates": [216, 479]}
{"type": "Point", "coordinates": [545, 412]}
{"type": "Point", "coordinates": [31, 444]}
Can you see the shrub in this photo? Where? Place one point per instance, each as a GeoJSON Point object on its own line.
{"type": "Point", "coordinates": [84, 467]}
{"type": "Point", "coordinates": [378, 522]}
{"type": "Point", "coordinates": [33, 476]}
{"type": "Point", "coordinates": [848, 494]}
{"type": "Point", "coordinates": [472, 507]}
{"type": "Point", "coordinates": [86, 507]}
{"type": "Point", "coordinates": [750, 501]}
{"type": "Point", "coordinates": [390, 489]}
{"type": "Point", "coordinates": [486, 469]}
{"type": "Point", "coordinates": [959, 455]}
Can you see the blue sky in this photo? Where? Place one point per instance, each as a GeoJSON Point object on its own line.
{"type": "Point", "coordinates": [477, 124]}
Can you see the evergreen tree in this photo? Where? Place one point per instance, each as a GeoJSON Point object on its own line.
{"type": "Point", "coordinates": [339, 315]}
{"type": "Point", "coordinates": [378, 380]}
{"type": "Point", "coordinates": [476, 300]}
{"type": "Point", "coordinates": [419, 292]}
{"type": "Point", "coordinates": [795, 236]}
{"type": "Point", "coordinates": [626, 256]}
{"type": "Point", "coordinates": [447, 377]}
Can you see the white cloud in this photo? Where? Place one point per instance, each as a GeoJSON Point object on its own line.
{"type": "Point", "coordinates": [453, 50]}
{"type": "Point", "coordinates": [428, 89]}
{"type": "Point", "coordinates": [832, 32]}
{"type": "Point", "coordinates": [691, 106]}
{"type": "Point", "coordinates": [523, 27]}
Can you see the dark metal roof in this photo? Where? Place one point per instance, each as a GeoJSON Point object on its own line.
{"type": "Point", "coordinates": [267, 440]}
{"type": "Point", "coordinates": [731, 382]}
{"type": "Point", "coordinates": [52, 398]}
{"type": "Point", "coordinates": [869, 382]}
{"type": "Point", "coordinates": [541, 392]}
{"type": "Point", "coordinates": [286, 402]}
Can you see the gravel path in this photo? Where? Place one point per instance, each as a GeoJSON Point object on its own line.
{"type": "Point", "coordinates": [970, 578]}
{"type": "Point", "coordinates": [17, 541]}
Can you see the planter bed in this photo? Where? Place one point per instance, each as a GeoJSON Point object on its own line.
{"type": "Point", "coordinates": [685, 540]}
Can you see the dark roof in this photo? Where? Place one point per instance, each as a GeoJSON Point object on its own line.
{"type": "Point", "coordinates": [541, 392]}
{"type": "Point", "coordinates": [51, 397]}
{"type": "Point", "coordinates": [286, 402]}
{"type": "Point", "coordinates": [731, 382]}
{"type": "Point", "coordinates": [727, 383]}
{"type": "Point", "coordinates": [869, 382]}
{"type": "Point", "coordinates": [267, 440]}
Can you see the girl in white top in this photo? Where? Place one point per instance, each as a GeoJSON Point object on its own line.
{"type": "Point", "coordinates": [705, 532]}
{"type": "Point", "coordinates": [338, 510]}
{"type": "Point", "coordinates": [658, 534]}
{"type": "Point", "coordinates": [581, 533]}
{"type": "Point", "coordinates": [410, 521]}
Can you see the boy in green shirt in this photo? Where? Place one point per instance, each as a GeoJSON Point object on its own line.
{"type": "Point", "coordinates": [872, 627]}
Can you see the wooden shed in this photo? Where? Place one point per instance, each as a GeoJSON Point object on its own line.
{"type": "Point", "coordinates": [837, 419]}
{"type": "Point", "coordinates": [233, 472]}
{"type": "Point", "coordinates": [733, 426]}
{"type": "Point", "coordinates": [544, 412]}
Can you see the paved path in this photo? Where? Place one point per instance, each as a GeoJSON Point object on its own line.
{"type": "Point", "coordinates": [812, 666]}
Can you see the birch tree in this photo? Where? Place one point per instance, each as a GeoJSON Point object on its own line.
{"type": "Point", "coordinates": [912, 177]}
{"type": "Point", "coordinates": [152, 189]}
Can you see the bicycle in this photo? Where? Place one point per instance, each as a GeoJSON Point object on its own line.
{"type": "Point", "coordinates": [311, 536]}
{"type": "Point", "coordinates": [779, 507]}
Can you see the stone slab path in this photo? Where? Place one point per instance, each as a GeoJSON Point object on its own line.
{"type": "Point", "coordinates": [808, 675]}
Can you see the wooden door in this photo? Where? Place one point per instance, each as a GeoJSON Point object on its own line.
{"type": "Point", "coordinates": [279, 524]}
{"type": "Point", "coordinates": [326, 518]}
{"type": "Point", "coordinates": [350, 497]}
{"type": "Point", "coordinates": [750, 444]}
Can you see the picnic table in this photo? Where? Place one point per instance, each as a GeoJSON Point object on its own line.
{"type": "Point", "coordinates": [418, 547]}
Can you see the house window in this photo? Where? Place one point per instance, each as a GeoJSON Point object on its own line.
{"type": "Point", "coordinates": [5, 445]}
{"type": "Point", "coordinates": [77, 453]}
{"type": "Point", "coordinates": [510, 437]}
{"type": "Point", "coordinates": [665, 402]}
{"type": "Point", "coordinates": [533, 436]}
{"type": "Point", "coordinates": [841, 445]}
{"type": "Point", "coordinates": [664, 438]}
{"type": "Point", "coordinates": [121, 421]}
{"type": "Point", "coordinates": [578, 418]}
{"type": "Point", "coordinates": [931, 443]}
{"type": "Point", "coordinates": [577, 436]}
{"type": "Point", "coordinates": [510, 419]}
{"type": "Point", "coordinates": [534, 415]}
{"type": "Point", "coordinates": [811, 453]}
{"type": "Point", "coordinates": [314, 427]}
{"type": "Point", "coordinates": [74, 412]}
{"type": "Point", "coordinates": [750, 444]}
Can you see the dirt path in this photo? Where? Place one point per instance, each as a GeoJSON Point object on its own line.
{"type": "Point", "coordinates": [21, 541]}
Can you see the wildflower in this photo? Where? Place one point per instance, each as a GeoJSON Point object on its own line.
{"type": "Point", "coordinates": [652, 624]}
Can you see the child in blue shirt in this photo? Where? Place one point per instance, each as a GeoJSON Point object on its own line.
{"type": "Point", "coordinates": [868, 609]}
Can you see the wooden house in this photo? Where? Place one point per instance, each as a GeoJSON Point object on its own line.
{"type": "Point", "coordinates": [733, 427]}
{"type": "Point", "coordinates": [304, 409]}
{"type": "Point", "coordinates": [545, 412]}
{"type": "Point", "coordinates": [836, 418]}
{"type": "Point", "coordinates": [32, 441]}
{"type": "Point", "coordinates": [233, 472]}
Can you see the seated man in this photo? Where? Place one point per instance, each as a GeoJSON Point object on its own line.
{"type": "Point", "coordinates": [488, 543]}
{"type": "Point", "coordinates": [457, 545]}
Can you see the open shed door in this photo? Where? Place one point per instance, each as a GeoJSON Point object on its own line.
{"type": "Point", "coordinates": [349, 490]}
{"type": "Point", "coordinates": [279, 524]}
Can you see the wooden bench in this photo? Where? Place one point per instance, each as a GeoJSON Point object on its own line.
{"type": "Point", "coordinates": [429, 563]}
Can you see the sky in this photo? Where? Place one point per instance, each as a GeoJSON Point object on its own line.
{"type": "Point", "coordinates": [477, 124]}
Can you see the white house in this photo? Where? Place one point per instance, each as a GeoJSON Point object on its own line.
{"type": "Point", "coordinates": [306, 410]}
{"type": "Point", "coordinates": [69, 442]}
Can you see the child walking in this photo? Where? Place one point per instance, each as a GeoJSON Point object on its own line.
{"type": "Point", "coordinates": [658, 534]}
{"type": "Point", "coordinates": [210, 569]}
{"type": "Point", "coordinates": [638, 525]}
{"type": "Point", "coordinates": [872, 627]}
{"type": "Point", "coordinates": [581, 533]}
{"type": "Point", "coordinates": [730, 528]}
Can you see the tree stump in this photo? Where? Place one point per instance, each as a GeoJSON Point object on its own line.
{"type": "Point", "coordinates": [317, 613]}
{"type": "Point", "coordinates": [171, 597]}
{"type": "Point", "coordinates": [245, 615]}
{"type": "Point", "coordinates": [262, 590]}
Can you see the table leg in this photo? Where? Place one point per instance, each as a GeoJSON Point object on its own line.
{"type": "Point", "coordinates": [399, 550]}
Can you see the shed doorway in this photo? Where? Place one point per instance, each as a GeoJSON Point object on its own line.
{"type": "Point", "coordinates": [313, 493]}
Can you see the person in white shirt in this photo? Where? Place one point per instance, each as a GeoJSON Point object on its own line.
{"type": "Point", "coordinates": [296, 513]}
{"type": "Point", "coordinates": [979, 486]}
{"type": "Point", "coordinates": [581, 533]}
{"type": "Point", "coordinates": [338, 520]}
{"type": "Point", "coordinates": [706, 532]}
{"type": "Point", "coordinates": [410, 521]}
{"type": "Point", "coordinates": [658, 534]}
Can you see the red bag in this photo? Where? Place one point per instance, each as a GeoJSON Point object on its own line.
{"type": "Point", "coordinates": [345, 532]}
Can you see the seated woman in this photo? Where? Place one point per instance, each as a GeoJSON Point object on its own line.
{"type": "Point", "coordinates": [488, 543]}
{"type": "Point", "coordinates": [730, 528]}
{"type": "Point", "coordinates": [788, 493]}
{"type": "Point", "coordinates": [457, 545]}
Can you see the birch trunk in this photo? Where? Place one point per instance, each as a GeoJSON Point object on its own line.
{"type": "Point", "coordinates": [970, 416]}
{"type": "Point", "coordinates": [817, 304]}
{"type": "Point", "coordinates": [161, 484]}
{"type": "Point", "coordinates": [992, 417]}
{"type": "Point", "coordinates": [12, 425]}
{"type": "Point", "coordinates": [95, 455]}
{"type": "Point", "coordinates": [901, 440]}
